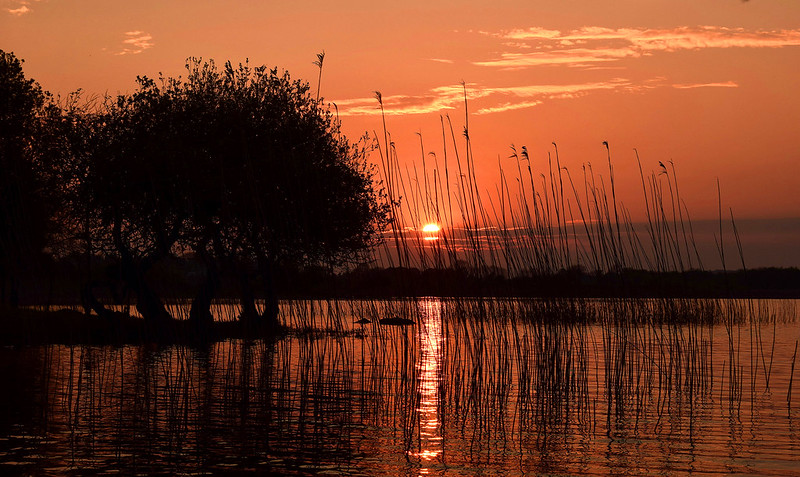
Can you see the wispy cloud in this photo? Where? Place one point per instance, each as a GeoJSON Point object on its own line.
{"type": "Point", "coordinates": [136, 42]}
{"type": "Point", "coordinates": [489, 99]}
{"type": "Point", "coordinates": [591, 45]}
{"type": "Point", "coordinates": [568, 57]}
{"type": "Point", "coordinates": [19, 11]}
{"type": "Point", "coordinates": [509, 106]}
{"type": "Point", "coordinates": [441, 60]}
{"type": "Point", "coordinates": [590, 48]}
{"type": "Point", "coordinates": [397, 104]}
{"type": "Point", "coordinates": [726, 84]}
{"type": "Point", "coordinates": [19, 7]}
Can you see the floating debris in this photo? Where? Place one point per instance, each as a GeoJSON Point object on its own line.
{"type": "Point", "coordinates": [396, 320]}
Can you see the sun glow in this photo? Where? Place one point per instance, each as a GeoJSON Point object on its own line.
{"type": "Point", "coordinates": [431, 228]}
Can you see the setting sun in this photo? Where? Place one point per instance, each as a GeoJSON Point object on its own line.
{"type": "Point", "coordinates": [431, 228]}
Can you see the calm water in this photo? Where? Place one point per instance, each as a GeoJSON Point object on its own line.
{"type": "Point", "coordinates": [474, 387]}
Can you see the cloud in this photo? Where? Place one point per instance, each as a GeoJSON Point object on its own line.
{"type": "Point", "coordinates": [397, 104]}
{"type": "Point", "coordinates": [22, 10]}
{"type": "Point", "coordinates": [488, 99]}
{"type": "Point", "coordinates": [136, 42]}
{"type": "Point", "coordinates": [726, 84]}
{"type": "Point", "coordinates": [569, 57]}
{"type": "Point", "coordinates": [441, 60]}
{"type": "Point", "coordinates": [535, 32]}
{"type": "Point", "coordinates": [508, 107]}
{"type": "Point", "coordinates": [592, 45]}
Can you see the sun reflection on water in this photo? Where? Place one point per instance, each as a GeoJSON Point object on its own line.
{"type": "Point", "coordinates": [429, 367]}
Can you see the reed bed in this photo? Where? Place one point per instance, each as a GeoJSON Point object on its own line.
{"type": "Point", "coordinates": [543, 219]}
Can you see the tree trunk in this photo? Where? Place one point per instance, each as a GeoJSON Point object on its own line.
{"type": "Point", "coordinates": [250, 315]}
{"type": "Point", "coordinates": [91, 303]}
{"type": "Point", "coordinates": [13, 293]}
{"type": "Point", "coordinates": [148, 304]}
{"type": "Point", "coordinates": [271, 306]}
{"type": "Point", "coordinates": [10, 291]}
{"type": "Point", "coordinates": [3, 280]}
{"type": "Point", "coordinates": [200, 313]}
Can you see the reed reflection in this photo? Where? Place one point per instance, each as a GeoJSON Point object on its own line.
{"type": "Point", "coordinates": [464, 389]}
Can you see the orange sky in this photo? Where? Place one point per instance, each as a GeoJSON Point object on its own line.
{"type": "Point", "coordinates": [712, 85]}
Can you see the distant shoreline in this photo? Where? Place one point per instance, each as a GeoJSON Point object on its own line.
{"type": "Point", "coordinates": [28, 326]}
{"type": "Point", "coordinates": [176, 284]}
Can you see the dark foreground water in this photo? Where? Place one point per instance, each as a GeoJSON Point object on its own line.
{"type": "Point", "coordinates": [473, 388]}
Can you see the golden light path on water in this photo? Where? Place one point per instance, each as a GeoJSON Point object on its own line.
{"type": "Point", "coordinates": [429, 367]}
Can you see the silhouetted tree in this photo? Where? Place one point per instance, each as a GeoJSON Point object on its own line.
{"type": "Point", "coordinates": [270, 179]}
{"type": "Point", "coordinates": [117, 196]}
{"type": "Point", "coordinates": [240, 166]}
{"type": "Point", "coordinates": [23, 207]}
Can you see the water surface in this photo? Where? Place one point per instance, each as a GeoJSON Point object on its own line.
{"type": "Point", "coordinates": [477, 386]}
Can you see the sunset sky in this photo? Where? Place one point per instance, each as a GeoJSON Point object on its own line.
{"type": "Point", "coordinates": [711, 85]}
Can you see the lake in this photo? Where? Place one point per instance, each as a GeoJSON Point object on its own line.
{"type": "Point", "coordinates": [475, 386]}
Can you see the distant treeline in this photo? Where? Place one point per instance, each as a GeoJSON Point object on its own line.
{"type": "Point", "coordinates": [179, 278]}
{"type": "Point", "coordinates": [757, 283]}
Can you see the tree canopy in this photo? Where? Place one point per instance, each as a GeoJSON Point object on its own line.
{"type": "Point", "coordinates": [238, 166]}
{"type": "Point", "coordinates": [23, 215]}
